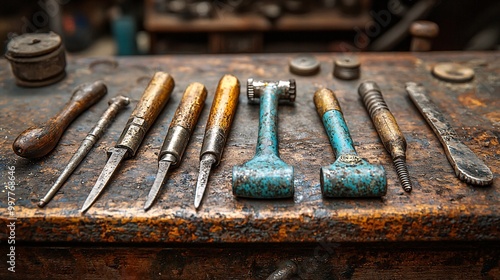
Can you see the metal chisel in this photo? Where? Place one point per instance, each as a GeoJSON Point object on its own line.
{"type": "Point", "coordinates": [153, 100]}
{"type": "Point", "coordinates": [468, 167]}
{"type": "Point", "coordinates": [180, 130]}
{"type": "Point", "coordinates": [217, 129]}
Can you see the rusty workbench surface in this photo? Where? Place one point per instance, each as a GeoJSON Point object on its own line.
{"type": "Point", "coordinates": [440, 207]}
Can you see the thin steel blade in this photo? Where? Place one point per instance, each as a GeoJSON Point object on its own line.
{"type": "Point", "coordinates": [163, 167]}
{"type": "Point", "coordinates": [77, 158]}
{"type": "Point", "coordinates": [117, 155]}
{"type": "Point", "coordinates": [468, 167]}
{"type": "Point", "coordinates": [205, 166]}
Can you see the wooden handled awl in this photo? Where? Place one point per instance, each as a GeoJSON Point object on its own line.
{"type": "Point", "coordinates": [180, 130]}
{"type": "Point", "coordinates": [38, 141]}
{"type": "Point", "coordinates": [153, 100]}
{"type": "Point", "coordinates": [217, 130]}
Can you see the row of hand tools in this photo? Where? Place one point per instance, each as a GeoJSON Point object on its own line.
{"type": "Point", "coordinates": [265, 176]}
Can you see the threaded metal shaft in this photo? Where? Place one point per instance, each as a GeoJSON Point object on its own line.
{"type": "Point", "coordinates": [402, 171]}
{"type": "Point", "coordinates": [372, 97]}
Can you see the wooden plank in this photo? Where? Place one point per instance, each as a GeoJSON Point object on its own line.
{"type": "Point", "coordinates": [440, 208]}
{"type": "Point", "coordinates": [313, 261]}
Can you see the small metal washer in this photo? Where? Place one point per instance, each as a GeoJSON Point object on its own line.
{"type": "Point", "coordinates": [453, 72]}
{"type": "Point", "coordinates": [346, 68]}
{"type": "Point", "coordinates": [304, 65]}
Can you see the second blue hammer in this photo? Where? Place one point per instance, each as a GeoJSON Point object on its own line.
{"type": "Point", "coordinates": [266, 175]}
{"type": "Point", "coordinates": [349, 175]}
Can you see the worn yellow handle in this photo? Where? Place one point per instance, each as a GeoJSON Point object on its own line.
{"type": "Point", "coordinates": [224, 104]}
{"type": "Point", "coordinates": [153, 100]}
{"type": "Point", "coordinates": [155, 97]}
{"type": "Point", "coordinates": [190, 107]}
{"type": "Point", "coordinates": [221, 116]}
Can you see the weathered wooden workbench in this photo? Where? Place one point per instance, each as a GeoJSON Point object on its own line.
{"type": "Point", "coordinates": [440, 209]}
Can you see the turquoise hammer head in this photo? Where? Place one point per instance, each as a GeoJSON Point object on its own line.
{"type": "Point", "coordinates": [350, 176]}
{"type": "Point", "coordinates": [266, 176]}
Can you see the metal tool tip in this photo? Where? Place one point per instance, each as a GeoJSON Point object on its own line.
{"type": "Point", "coordinates": [42, 203]}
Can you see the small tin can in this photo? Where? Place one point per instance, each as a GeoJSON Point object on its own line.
{"type": "Point", "coordinates": [37, 59]}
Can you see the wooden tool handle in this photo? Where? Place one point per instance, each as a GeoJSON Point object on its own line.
{"type": "Point", "coordinates": [38, 141]}
{"type": "Point", "coordinates": [221, 116]}
{"type": "Point", "coordinates": [153, 100]}
{"type": "Point", "coordinates": [155, 97]}
{"type": "Point", "coordinates": [224, 104]}
{"type": "Point", "coordinates": [190, 107]}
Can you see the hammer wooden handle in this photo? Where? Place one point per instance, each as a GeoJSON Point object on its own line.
{"type": "Point", "coordinates": [38, 141]}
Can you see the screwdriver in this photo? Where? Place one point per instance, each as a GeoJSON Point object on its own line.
{"type": "Point", "coordinates": [153, 100]}
{"type": "Point", "coordinates": [178, 135]}
{"type": "Point", "coordinates": [217, 129]}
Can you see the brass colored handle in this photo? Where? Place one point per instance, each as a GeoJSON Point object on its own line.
{"type": "Point", "coordinates": [325, 100]}
{"type": "Point", "coordinates": [221, 116]}
{"type": "Point", "coordinates": [38, 141]}
{"type": "Point", "coordinates": [153, 100]}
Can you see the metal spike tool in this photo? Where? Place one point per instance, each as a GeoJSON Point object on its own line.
{"type": "Point", "coordinates": [180, 130]}
{"type": "Point", "coordinates": [153, 100]}
{"type": "Point", "coordinates": [115, 105]}
{"type": "Point", "coordinates": [468, 167]}
{"type": "Point", "coordinates": [217, 129]}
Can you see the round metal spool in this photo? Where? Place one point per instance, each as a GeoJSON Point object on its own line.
{"type": "Point", "coordinates": [37, 59]}
{"type": "Point", "coordinates": [347, 68]}
{"type": "Point", "coordinates": [452, 72]}
{"type": "Point", "coordinates": [304, 65]}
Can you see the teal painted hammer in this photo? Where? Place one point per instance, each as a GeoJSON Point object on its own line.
{"type": "Point", "coordinates": [266, 175]}
{"type": "Point", "coordinates": [349, 175]}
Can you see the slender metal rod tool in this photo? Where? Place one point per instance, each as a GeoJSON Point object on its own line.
{"type": "Point", "coordinates": [115, 105]}
{"type": "Point", "coordinates": [388, 130]}
{"type": "Point", "coordinates": [153, 100]}
{"type": "Point", "coordinates": [180, 130]}
{"type": "Point", "coordinates": [217, 129]}
{"type": "Point", "coordinates": [266, 175]}
{"type": "Point", "coordinates": [349, 175]}
{"type": "Point", "coordinates": [468, 167]}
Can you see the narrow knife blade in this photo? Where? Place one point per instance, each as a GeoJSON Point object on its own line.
{"type": "Point", "coordinates": [117, 155]}
{"type": "Point", "coordinates": [468, 167]}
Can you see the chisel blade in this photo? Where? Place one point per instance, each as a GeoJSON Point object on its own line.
{"type": "Point", "coordinates": [205, 166]}
{"type": "Point", "coordinates": [468, 167]}
{"type": "Point", "coordinates": [117, 155]}
{"type": "Point", "coordinates": [163, 167]}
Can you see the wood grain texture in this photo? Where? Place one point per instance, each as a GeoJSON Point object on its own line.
{"type": "Point", "coordinates": [440, 208]}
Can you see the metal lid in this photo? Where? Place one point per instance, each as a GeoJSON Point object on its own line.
{"type": "Point", "coordinates": [33, 44]}
{"type": "Point", "coordinates": [304, 65]}
{"type": "Point", "coordinates": [452, 72]}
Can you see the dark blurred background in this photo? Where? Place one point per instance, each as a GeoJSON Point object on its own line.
{"type": "Point", "coordinates": [126, 27]}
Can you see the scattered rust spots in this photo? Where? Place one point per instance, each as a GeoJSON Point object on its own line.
{"type": "Point", "coordinates": [469, 99]}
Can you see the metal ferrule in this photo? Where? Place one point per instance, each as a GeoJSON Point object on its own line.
{"type": "Point", "coordinates": [213, 143]}
{"type": "Point", "coordinates": [132, 135]}
{"type": "Point", "coordinates": [325, 100]}
{"type": "Point", "coordinates": [175, 144]}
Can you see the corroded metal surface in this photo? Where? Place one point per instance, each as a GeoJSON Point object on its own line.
{"type": "Point", "coordinates": [440, 207]}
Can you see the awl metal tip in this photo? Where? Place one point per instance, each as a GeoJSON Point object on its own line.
{"type": "Point", "coordinates": [163, 166]}
{"type": "Point", "coordinates": [206, 163]}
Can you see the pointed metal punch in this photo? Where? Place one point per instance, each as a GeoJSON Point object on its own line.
{"type": "Point", "coordinates": [115, 105]}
